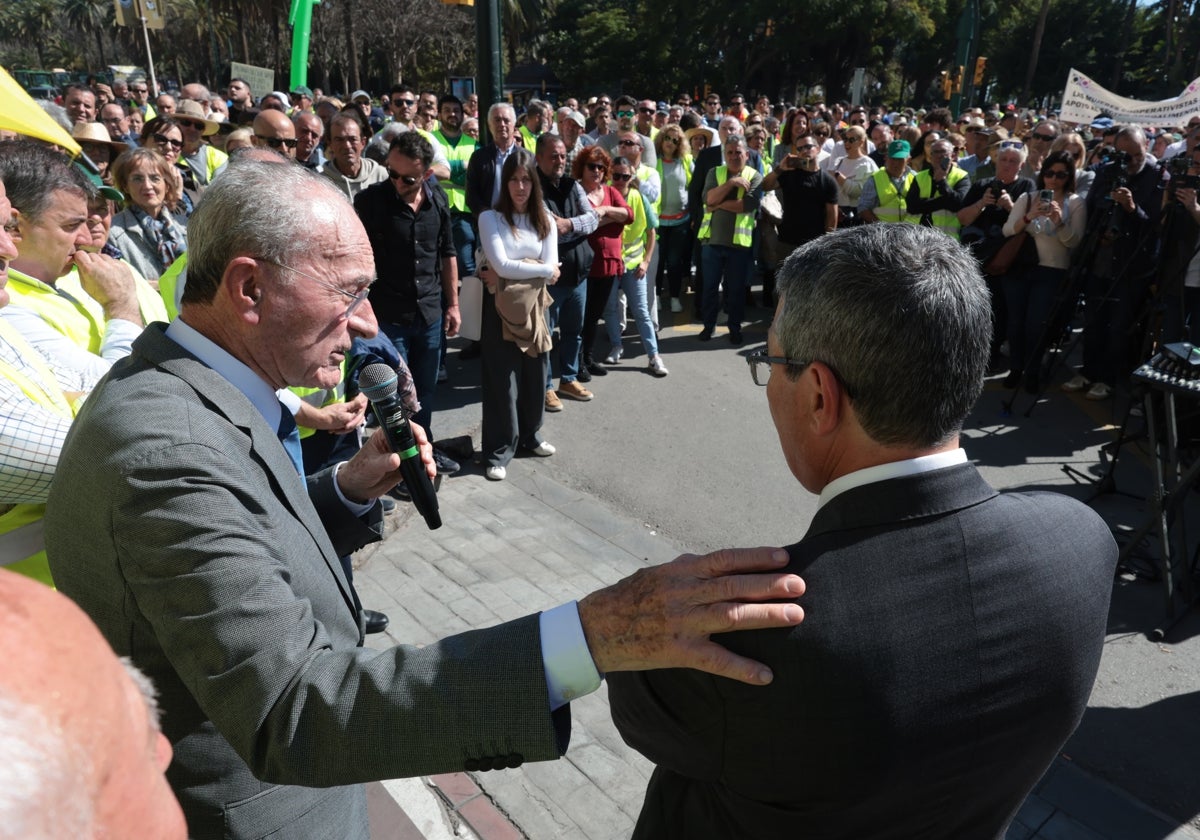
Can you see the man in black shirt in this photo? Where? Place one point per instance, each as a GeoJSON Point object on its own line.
{"type": "Point", "coordinates": [808, 195]}
{"type": "Point", "coordinates": [408, 222]}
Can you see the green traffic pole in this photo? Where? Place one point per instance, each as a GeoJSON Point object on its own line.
{"type": "Point", "coordinates": [489, 79]}
{"type": "Point", "coordinates": [300, 19]}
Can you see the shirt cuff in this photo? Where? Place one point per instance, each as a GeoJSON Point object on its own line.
{"type": "Point", "coordinates": [570, 671]}
{"type": "Point", "coordinates": [290, 399]}
{"type": "Point", "coordinates": [356, 508]}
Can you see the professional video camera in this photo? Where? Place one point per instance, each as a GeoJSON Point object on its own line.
{"type": "Point", "coordinates": [1178, 168]}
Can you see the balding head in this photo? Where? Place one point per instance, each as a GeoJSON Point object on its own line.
{"type": "Point", "coordinates": [273, 129]}
{"type": "Point", "coordinates": [80, 750]}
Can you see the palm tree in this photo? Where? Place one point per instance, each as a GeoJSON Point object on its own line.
{"type": "Point", "coordinates": [96, 16]}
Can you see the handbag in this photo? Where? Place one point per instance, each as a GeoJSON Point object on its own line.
{"type": "Point", "coordinates": [1018, 251]}
{"type": "Point", "coordinates": [470, 307]}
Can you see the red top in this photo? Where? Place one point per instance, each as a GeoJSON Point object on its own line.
{"type": "Point", "coordinates": [606, 241]}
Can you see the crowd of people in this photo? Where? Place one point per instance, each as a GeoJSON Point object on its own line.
{"type": "Point", "coordinates": [797, 172]}
{"type": "Point", "coordinates": [224, 265]}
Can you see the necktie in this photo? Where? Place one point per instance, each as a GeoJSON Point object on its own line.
{"type": "Point", "coordinates": [289, 436]}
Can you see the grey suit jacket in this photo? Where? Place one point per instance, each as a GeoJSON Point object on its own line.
{"type": "Point", "coordinates": [127, 235]}
{"type": "Point", "coordinates": [950, 644]}
{"type": "Point", "coordinates": [177, 521]}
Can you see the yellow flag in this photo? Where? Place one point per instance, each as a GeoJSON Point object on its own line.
{"type": "Point", "coordinates": [19, 113]}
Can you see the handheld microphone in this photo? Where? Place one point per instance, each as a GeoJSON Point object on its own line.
{"type": "Point", "coordinates": [378, 381]}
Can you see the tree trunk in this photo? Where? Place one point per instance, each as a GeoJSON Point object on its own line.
{"type": "Point", "coordinates": [1118, 66]}
{"type": "Point", "coordinates": [1038, 32]}
{"type": "Point", "coordinates": [348, 16]}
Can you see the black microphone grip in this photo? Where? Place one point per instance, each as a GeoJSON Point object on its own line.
{"type": "Point", "coordinates": [393, 422]}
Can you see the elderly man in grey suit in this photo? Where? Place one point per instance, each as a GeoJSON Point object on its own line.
{"type": "Point", "coordinates": [181, 526]}
{"type": "Point", "coordinates": [952, 634]}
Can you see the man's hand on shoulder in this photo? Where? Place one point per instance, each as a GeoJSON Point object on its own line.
{"type": "Point", "coordinates": [662, 617]}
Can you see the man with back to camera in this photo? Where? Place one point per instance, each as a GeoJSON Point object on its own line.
{"type": "Point", "coordinates": [949, 645]}
{"type": "Point", "coordinates": [181, 525]}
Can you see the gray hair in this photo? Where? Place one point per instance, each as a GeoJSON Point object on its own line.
{"type": "Point", "coordinates": [240, 215]}
{"type": "Point", "coordinates": [45, 777]}
{"type": "Point", "coordinates": [497, 106]}
{"type": "Point", "coordinates": [902, 315]}
{"type": "Point", "coordinates": [538, 105]}
{"type": "Point", "coordinates": [57, 113]}
{"type": "Point", "coordinates": [735, 140]}
{"type": "Point", "coordinates": [1134, 132]}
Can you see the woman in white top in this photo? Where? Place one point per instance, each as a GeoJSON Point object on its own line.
{"type": "Point", "coordinates": [520, 242]}
{"type": "Point", "coordinates": [851, 172]}
{"type": "Point", "coordinates": [1056, 219]}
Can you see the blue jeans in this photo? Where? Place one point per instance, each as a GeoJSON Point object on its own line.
{"type": "Point", "coordinates": [464, 243]}
{"type": "Point", "coordinates": [420, 347]}
{"type": "Point", "coordinates": [634, 288]}
{"type": "Point", "coordinates": [732, 264]}
{"type": "Point", "coordinates": [567, 314]}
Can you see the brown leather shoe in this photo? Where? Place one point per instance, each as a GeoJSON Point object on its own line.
{"type": "Point", "coordinates": [553, 403]}
{"type": "Point", "coordinates": [574, 391]}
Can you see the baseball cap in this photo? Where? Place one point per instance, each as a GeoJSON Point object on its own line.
{"type": "Point", "coordinates": [301, 90]}
{"type": "Point", "coordinates": [577, 118]}
{"type": "Point", "coordinates": [899, 149]}
{"type": "Point", "coordinates": [360, 94]}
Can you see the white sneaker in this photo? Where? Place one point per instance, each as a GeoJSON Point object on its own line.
{"type": "Point", "coordinates": [544, 449]}
{"type": "Point", "coordinates": [496, 473]}
{"type": "Point", "coordinates": [657, 367]}
{"type": "Point", "coordinates": [614, 356]}
{"type": "Point", "coordinates": [676, 305]}
{"type": "Point", "coordinates": [1077, 383]}
{"type": "Point", "coordinates": [1099, 391]}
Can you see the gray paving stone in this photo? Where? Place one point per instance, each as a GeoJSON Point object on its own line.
{"type": "Point", "coordinates": [1101, 807]}
{"type": "Point", "coordinates": [1062, 827]}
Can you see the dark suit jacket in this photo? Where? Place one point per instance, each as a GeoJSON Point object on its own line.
{"type": "Point", "coordinates": [951, 639]}
{"type": "Point", "coordinates": [482, 172]}
{"type": "Point", "coordinates": [179, 524]}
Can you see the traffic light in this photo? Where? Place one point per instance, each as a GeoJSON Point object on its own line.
{"type": "Point", "coordinates": [946, 91]}
{"type": "Point", "coordinates": [980, 69]}
{"type": "Point", "coordinates": [956, 81]}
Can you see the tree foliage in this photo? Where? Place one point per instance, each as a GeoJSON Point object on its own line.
{"type": "Point", "coordinates": [647, 47]}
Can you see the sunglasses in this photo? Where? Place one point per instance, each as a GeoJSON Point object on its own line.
{"type": "Point", "coordinates": [408, 179]}
{"type": "Point", "coordinates": [199, 126]}
{"type": "Point", "coordinates": [629, 143]}
{"type": "Point", "coordinates": [139, 90]}
{"type": "Point", "coordinates": [597, 167]}
{"type": "Point", "coordinates": [1055, 174]}
{"type": "Point", "coordinates": [276, 142]}
{"type": "Point", "coordinates": [617, 176]}
{"type": "Point", "coordinates": [807, 146]}
{"type": "Point", "coordinates": [1045, 138]}
{"type": "Point", "coordinates": [1006, 145]}
{"type": "Point", "coordinates": [624, 113]}
{"type": "Point", "coordinates": [645, 110]}
{"type": "Point", "coordinates": [164, 140]}
{"type": "Point", "coordinates": [408, 103]}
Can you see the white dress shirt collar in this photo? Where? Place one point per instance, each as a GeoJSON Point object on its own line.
{"type": "Point", "coordinates": [895, 469]}
{"type": "Point", "coordinates": [256, 389]}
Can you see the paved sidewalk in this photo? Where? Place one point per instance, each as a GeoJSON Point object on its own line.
{"type": "Point", "coordinates": [513, 547]}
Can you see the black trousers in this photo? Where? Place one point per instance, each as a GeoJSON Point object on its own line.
{"type": "Point", "coordinates": [598, 290]}
{"type": "Point", "coordinates": [514, 391]}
